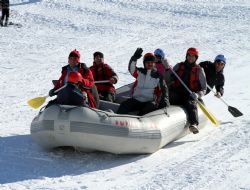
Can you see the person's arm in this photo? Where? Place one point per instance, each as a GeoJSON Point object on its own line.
{"type": "Point", "coordinates": [220, 84]}
{"type": "Point", "coordinates": [111, 74]}
{"type": "Point", "coordinates": [203, 83]}
{"type": "Point", "coordinates": [133, 61]}
{"type": "Point", "coordinates": [88, 80]}
{"type": "Point", "coordinates": [164, 99]}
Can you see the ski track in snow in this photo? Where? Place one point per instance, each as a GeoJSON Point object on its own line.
{"type": "Point", "coordinates": [31, 56]}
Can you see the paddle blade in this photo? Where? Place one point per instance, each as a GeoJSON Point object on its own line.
{"type": "Point", "coordinates": [36, 102]}
{"type": "Point", "coordinates": [209, 115]}
{"type": "Point", "coordinates": [234, 111]}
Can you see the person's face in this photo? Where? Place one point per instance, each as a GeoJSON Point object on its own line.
{"type": "Point", "coordinates": [73, 61]}
{"type": "Point", "coordinates": [191, 58]}
{"type": "Point", "coordinates": [98, 60]}
{"type": "Point", "coordinates": [149, 65]}
{"type": "Point", "coordinates": [219, 66]}
{"type": "Point", "coordinates": [158, 58]}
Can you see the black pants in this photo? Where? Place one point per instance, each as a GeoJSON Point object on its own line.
{"type": "Point", "coordinates": [5, 14]}
{"type": "Point", "coordinates": [135, 105]}
{"type": "Point", "coordinates": [107, 96]}
{"type": "Point", "coordinates": [177, 98]}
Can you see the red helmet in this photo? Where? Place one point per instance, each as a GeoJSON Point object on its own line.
{"type": "Point", "coordinates": [75, 53]}
{"type": "Point", "coordinates": [149, 57]}
{"type": "Point", "coordinates": [74, 77]}
{"type": "Point", "coordinates": [193, 51]}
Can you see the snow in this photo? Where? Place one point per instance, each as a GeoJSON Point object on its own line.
{"type": "Point", "coordinates": [31, 56]}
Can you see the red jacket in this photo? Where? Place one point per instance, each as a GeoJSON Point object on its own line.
{"type": "Point", "coordinates": [88, 81]}
{"type": "Point", "coordinates": [104, 72]}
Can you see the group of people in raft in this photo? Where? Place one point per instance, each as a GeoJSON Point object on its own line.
{"type": "Point", "coordinates": [156, 85]}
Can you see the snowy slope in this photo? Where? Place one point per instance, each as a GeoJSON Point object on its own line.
{"type": "Point", "coordinates": [31, 56]}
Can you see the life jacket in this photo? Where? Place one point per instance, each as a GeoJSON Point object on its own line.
{"type": "Point", "coordinates": [194, 84]}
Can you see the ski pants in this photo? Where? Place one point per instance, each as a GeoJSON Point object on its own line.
{"type": "Point", "coordinates": [5, 14]}
{"type": "Point", "coordinates": [188, 103]}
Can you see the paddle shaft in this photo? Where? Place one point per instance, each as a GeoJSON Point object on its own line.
{"type": "Point", "coordinates": [215, 93]}
{"type": "Point", "coordinates": [181, 80]}
{"type": "Point", "coordinates": [57, 90]}
{"type": "Point", "coordinates": [102, 81]}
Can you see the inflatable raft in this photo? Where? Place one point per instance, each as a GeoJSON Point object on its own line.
{"type": "Point", "coordinates": [102, 129]}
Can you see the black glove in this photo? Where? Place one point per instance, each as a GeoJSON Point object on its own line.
{"type": "Point", "coordinates": [52, 92]}
{"type": "Point", "coordinates": [138, 53]}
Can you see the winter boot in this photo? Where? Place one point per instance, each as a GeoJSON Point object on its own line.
{"type": "Point", "coordinates": [194, 129]}
{"type": "Point", "coordinates": [1, 22]}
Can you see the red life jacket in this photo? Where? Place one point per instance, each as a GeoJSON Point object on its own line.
{"type": "Point", "coordinates": [194, 84]}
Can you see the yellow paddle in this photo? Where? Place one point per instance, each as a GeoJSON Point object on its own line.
{"type": "Point", "coordinates": [207, 113]}
{"type": "Point", "coordinates": [38, 101]}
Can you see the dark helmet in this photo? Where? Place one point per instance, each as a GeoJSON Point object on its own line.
{"type": "Point", "coordinates": [159, 52]}
{"type": "Point", "coordinates": [74, 77]}
{"type": "Point", "coordinates": [220, 57]}
{"type": "Point", "coordinates": [148, 57]}
{"type": "Point", "coordinates": [193, 51]}
{"type": "Point", "coordinates": [75, 53]}
{"type": "Point", "coordinates": [98, 53]}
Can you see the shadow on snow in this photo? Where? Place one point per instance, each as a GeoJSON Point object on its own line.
{"type": "Point", "coordinates": [21, 159]}
{"type": "Point", "coordinates": [26, 2]}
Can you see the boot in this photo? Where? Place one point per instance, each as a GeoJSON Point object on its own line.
{"type": "Point", "coordinates": [194, 129]}
{"type": "Point", "coordinates": [1, 22]}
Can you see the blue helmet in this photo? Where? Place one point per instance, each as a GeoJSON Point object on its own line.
{"type": "Point", "coordinates": [220, 57]}
{"type": "Point", "coordinates": [160, 53]}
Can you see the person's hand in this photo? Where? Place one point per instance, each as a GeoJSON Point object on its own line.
{"type": "Point", "coordinates": [52, 92]}
{"type": "Point", "coordinates": [194, 96]}
{"type": "Point", "coordinates": [138, 53]}
{"type": "Point", "coordinates": [112, 80]}
{"type": "Point", "coordinates": [217, 94]}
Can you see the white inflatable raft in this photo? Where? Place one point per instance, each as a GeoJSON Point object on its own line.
{"type": "Point", "coordinates": [98, 130]}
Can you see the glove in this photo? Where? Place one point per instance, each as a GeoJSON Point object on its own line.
{"type": "Point", "coordinates": [194, 96]}
{"type": "Point", "coordinates": [112, 80]}
{"type": "Point", "coordinates": [217, 94]}
{"type": "Point", "coordinates": [138, 53]}
{"type": "Point", "coordinates": [52, 92]}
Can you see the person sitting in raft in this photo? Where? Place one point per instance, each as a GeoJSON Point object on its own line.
{"type": "Point", "coordinates": [162, 65]}
{"type": "Point", "coordinates": [149, 92]}
{"type": "Point", "coordinates": [102, 71]}
{"type": "Point", "coordinates": [74, 65]}
{"type": "Point", "coordinates": [72, 94]}
{"type": "Point", "coordinates": [194, 78]}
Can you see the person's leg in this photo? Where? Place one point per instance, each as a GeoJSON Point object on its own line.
{"type": "Point", "coordinates": [175, 98]}
{"type": "Point", "coordinates": [147, 107]}
{"type": "Point", "coordinates": [192, 112]}
{"type": "Point", "coordinates": [2, 17]}
{"type": "Point", "coordinates": [51, 102]}
{"type": "Point", "coordinates": [108, 96]}
{"type": "Point", "coordinates": [128, 106]}
{"type": "Point", "coordinates": [7, 14]}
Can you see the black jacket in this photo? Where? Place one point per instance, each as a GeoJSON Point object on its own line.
{"type": "Point", "coordinates": [70, 95]}
{"type": "Point", "coordinates": [214, 78]}
{"type": "Point", "coordinates": [5, 4]}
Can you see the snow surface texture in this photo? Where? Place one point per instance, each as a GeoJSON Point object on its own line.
{"type": "Point", "coordinates": [31, 56]}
